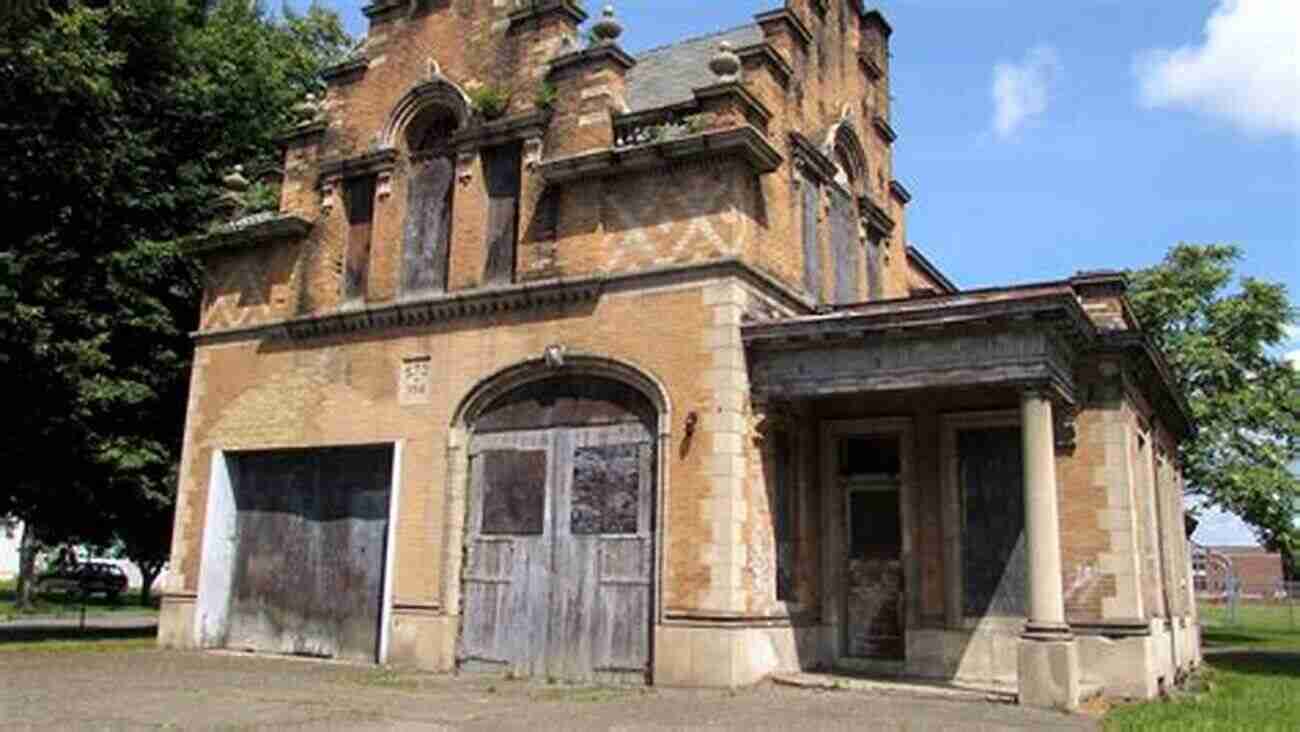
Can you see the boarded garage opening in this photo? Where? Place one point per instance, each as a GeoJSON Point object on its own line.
{"type": "Point", "coordinates": [559, 542]}
{"type": "Point", "coordinates": [306, 550]}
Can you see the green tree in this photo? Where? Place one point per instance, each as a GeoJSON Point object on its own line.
{"type": "Point", "coordinates": [117, 120]}
{"type": "Point", "coordinates": [1219, 335]}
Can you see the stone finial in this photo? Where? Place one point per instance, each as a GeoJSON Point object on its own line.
{"type": "Point", "coordinates": [606, 30]}
{"type": "Point", "coordinates": [310, 109]}
{"type": "Point", "coordinates": [725, 63]}
{"type": "Point", "coordinates": [235, 182]}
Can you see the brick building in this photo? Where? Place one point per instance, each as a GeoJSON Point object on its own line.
{"type": "Point", "coordinates": [580, 364]}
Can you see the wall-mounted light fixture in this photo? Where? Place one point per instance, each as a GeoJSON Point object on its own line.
{"type": "Point", "coordinates": [692, 419]}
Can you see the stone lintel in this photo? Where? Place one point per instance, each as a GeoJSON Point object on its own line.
{"type": "Point", "coordinates": [811, 158]}
{"type": "Point", "coordinates": [500, 131]}
{"type": "Point", "coordinates": [884, 130]}
{"type": "Point", "coordinates": [365, 164]}
{"type": "Point", "coordinates": [900, 192]}
{"type": "Point", "coordinates": [868, 62]}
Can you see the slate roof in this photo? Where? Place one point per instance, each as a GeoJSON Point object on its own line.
{"type": "Point", "coordinates": [666, 75]}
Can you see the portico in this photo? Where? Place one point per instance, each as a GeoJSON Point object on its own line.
{"type": "Point", "coordinates": [964, 405]}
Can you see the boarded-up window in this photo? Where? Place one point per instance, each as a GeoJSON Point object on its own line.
{"type": "Point", "coordinates": [606, 490]}
{"type": "Point", "coordinates": [546, 216]}
{"type": "Point", "coordinates": [875, 287]}
{"type": "Point", "coordinates": [845, 247]}
{"type": "Point", "coordinates": [994, 566]}
{"type": "Point", "coordinates": [514, 491]}
{"type": "Point", "coordinates": [874, 524]}
{"type": "Point", "coordinates": [812, 255]}
{"type": "Point", "coordinates": [359, 198]}
{"type": "Point", "coordinates": [869, 455]}
{"type": "Point", "coordinates": [783, 513]}
{"type": "Point", "coordinates": [428, 225]}
{"type": "Point", "coordinates": [502, 169]}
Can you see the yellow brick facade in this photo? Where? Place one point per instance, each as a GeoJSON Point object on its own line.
{"type": "Point", "coordinates": [650, 271]}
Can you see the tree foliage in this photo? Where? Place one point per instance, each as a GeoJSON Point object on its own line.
{"type": "Point", "coordinates": [1219, 335]}
{"type": "Point", "coordinates": [117, 120]}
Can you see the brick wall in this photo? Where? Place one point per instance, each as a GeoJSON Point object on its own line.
{"type": "Point", "coordinates": [694, 212]}
{"type": "Point", "coordinates": [343, 390]}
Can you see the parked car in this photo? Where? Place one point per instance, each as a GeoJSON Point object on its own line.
{"type": "Point", "coordinates": [86, 578]}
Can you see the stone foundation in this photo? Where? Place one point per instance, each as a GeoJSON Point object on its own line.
{"type": "Point", "coordinates": [176, 623]}
{"type": "Point", "coordinates": [422, 640]}
{"type": "Point", "coordinates": [1049, 674]}
{"type": "Point", "coordinates": [723, 657]}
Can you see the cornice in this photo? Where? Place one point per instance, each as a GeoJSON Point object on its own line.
{"type": "Point", "coordinates": [302, 132]}
{"type": "Point", "coordinates": [745, 142]}
{"type": "Point", "coordinates": [529, 295]}
{"type": "Point", "coordinates": [345, 70]}
{"type": "Point", "coordinates": [738, 90]}
{"type": "Point", "coordinates": [542, 8]}
{"type": "Point", "coordinates": [604, 52]}
{"type": "Point", "coordinates": [877, 17]}
{"type": "Point", "coordinates": [382, 7]}
{"type": "Point", "coordinates": [767, 54]}
{"type": "Point", "coordinates": [248, 231]}
{"type": "Point", "coordinates": [790, 18]}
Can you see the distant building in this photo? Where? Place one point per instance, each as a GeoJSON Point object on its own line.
{"type": "Point", "coordinates": [1255, 570]}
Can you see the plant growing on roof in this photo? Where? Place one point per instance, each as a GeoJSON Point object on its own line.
{"type": "Point", "coordinates": [546, 96]}
{"type": "Point", "coordinates": [490, 100]}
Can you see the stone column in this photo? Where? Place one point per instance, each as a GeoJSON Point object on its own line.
{"type": "Point", "coordinates": [1049, 659]}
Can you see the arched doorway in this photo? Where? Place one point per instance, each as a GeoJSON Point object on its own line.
{"type": "Point", "coordinates": [559, 536]}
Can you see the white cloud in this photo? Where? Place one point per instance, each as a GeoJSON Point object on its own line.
{"type": "Point", "coordinates": [1245, 71]}
{"type": "Point", "coordinates": [1021, 91]}
{"type": "Point", "coordinates": [1294, 358]}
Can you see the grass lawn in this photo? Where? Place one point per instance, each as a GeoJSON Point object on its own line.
{"type": "Point", "coordinates": [56, 604]}
{"type": "Point", "coordinates": [1251, 679]}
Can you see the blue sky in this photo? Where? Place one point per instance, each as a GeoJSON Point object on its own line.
{"type": "Point", "coordinates": [1041, 138]}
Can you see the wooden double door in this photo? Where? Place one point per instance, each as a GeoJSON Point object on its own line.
{"type": "Point", "coordinates": [560, 552]}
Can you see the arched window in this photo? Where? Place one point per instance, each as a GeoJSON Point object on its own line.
{"type": "Point", "coordinates": [430, 193]}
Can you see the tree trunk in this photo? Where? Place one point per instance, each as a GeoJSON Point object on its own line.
{"type": "Point", "coordinates": [149, 572]}
{"type": "Point", "coordinates": [26, 568]}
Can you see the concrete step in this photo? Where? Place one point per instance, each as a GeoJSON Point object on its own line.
{"type": "Point", "coordinates": [894, 686]}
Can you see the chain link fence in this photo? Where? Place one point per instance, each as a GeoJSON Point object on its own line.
{"type": "Point", "coordinates": [1274, 606]}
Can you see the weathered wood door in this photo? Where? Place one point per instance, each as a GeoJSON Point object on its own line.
{"type": "Point", "coordinates": [559, 543]}
{"type": "Point", "coordinates": [869, 478]}
{"type": "Point", "coordinates": [309, 560]}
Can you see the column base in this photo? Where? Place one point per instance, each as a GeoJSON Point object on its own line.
{"type": "Point", "coordinates": [1048, 673]}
